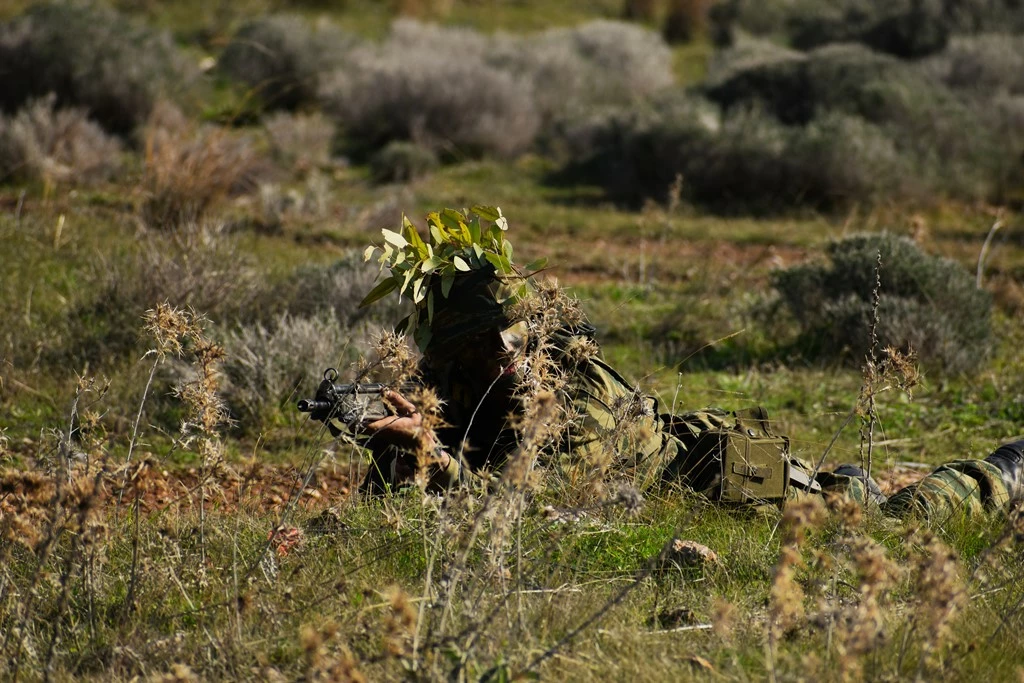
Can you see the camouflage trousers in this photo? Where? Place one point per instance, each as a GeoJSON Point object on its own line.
{"type": "Point", "coordinates": [961, 488]}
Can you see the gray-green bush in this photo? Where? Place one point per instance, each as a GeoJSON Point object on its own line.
{"type": "Point", "coordinates": [985, 64]}
{"type": "Point", "coordinates": [907, 28]}
{"type": "Point", "coordinates": [460, 92]}
{"type": "Point", "coordinates": [401, 162]}
{"type": "Point", "coordinates": [926, 303]}
{"type": "Point", "coordinates": [449, 102]}
{"type": "Point", "coordinates": [41, 142]}
{"type": "Point", "coordinates": [302, 141]}
{"type": "Point", "coordinates": [283, 57]}
{"type": "Point", "coordinates": [90, 57]}
{"type": "Point", "coordinates": [744, 162]}
{"type": "Point", "coordinates": [266, 365]}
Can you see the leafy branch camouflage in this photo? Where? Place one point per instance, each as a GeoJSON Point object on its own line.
{"type": "Point", "coordinates": [458, 243]}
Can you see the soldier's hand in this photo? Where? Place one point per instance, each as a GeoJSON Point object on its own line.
{"type": "Point", "coordinates": [405, 428]}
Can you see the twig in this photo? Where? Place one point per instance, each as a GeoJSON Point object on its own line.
{"type": "Point", "coordinates": [984, 251]}
{"type": "Point", "coordinates": [680, 629]}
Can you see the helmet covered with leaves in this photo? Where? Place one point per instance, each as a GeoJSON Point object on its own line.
{"type": "Point", "coordinates": [462, 280]}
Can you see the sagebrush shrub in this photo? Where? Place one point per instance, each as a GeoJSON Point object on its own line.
{"type": "Point", "coordinates": [441, 99]}
{"type": "Point", "coordinates": [927, 303]}
{"type": "Point", "coordinates": [598, 63]}
{"type": "Point", "coordinates": [41, 142]}
{"type": "Point", "coordinates": [985, 64]}
{"type": "Point", "coordinates": [267, 364]}
{"type": "Point", "coordinates": [90, 57]}
{"type": "Point", "coordinates": [302, 141]}
{"type": "Point", "coordinates": [194, 267]}
{"type": "Point", "coordinates": [953, 145]}
{"type": "Point", "coordinates": [336, 288]}
{"type": "Point", "coordinates": [309, 200]}
{"type": "Point", "coordinates": [905, 28]}
{"type": "Point", "coordinates": [458, 91]}
{"type": "Point", "coordinates": [744, 162]}
{"type": "Point", "coordinates": [282, 57]}
{"type": "Point", "coordinates": [401, 162]}
{"type": "Point", "coordinates": [796, 87]}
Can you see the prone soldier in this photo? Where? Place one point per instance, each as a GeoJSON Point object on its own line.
{"type": "Point", "coordinates": [478, 343]}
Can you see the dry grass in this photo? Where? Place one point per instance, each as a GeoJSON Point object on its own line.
{"type": "Point", "coordinates": [526, 575]}
{"type": "Point", "coordinates": [53, 145]}
{"type": "Point", "coordinates": [189, 168]}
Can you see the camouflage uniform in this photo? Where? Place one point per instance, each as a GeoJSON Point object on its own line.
{"type": "Point", "coordinates": [604, 411]}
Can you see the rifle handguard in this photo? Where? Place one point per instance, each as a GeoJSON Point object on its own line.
{"type": "Point", "coordinates": [351, 404]}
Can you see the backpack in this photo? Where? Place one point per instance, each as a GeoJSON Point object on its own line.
{"type": "Point", "coordinates": [733, 457]}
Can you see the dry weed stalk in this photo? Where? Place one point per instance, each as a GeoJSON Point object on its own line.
{"type": "Point", "coordinates": [324, 665]}
{"type": "Point", "coordinates": [786, 597]}
{"type": "Point", "coordinates": [939, 594]}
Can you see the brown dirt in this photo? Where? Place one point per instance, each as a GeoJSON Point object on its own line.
{"type": "Point", "coordinates": [255, 488]}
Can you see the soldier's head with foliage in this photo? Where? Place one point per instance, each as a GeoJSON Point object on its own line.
{"type": "Point", "coordinates": [462, 280]}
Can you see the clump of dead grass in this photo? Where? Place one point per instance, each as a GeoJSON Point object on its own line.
{"type": "Point", "coordinates": [189, 168]}
{"type": "Point", "coordinates": [42, 142]}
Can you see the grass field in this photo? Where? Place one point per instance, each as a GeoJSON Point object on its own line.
{"type": "Point", "coordinates": [167, 514]}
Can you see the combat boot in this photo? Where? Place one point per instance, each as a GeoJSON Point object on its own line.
{"type": "Point", "coordinates": [874, 493]}
{"type": "Point", "coordinates": [1009, 458]}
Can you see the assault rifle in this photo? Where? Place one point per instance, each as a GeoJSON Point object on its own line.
{"type": "Point", "coordinates": [351, 404]}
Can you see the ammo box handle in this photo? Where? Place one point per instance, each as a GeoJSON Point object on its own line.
{"type": "Point", "coordinates": [746, 470]}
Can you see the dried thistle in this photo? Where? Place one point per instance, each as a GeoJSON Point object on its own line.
{"type": "Point", "coordinates": [395, 355]}
{"type": "Point", "coordinates": [786, 597]}
{"type": "Point", "coordinates": [940, 593]}
{"type": "Point", "coordinates": [399, 624]}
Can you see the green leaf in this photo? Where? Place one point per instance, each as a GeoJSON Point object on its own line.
{"type": "Point", "coordinates": [506, 249]}
{"type": "Point", "coordinates": [538, 264]}
{"type": "Point", "coordinates": [368, 253]}
{"type": "Point", "coordinates": [438, 235]}
{"type": "Point", "coordinates": [446, 284]}
{"type": "Point", "coordinates": [430, 264]}
{"type": "Point", "coordinates": [500, 263]}
{"type": "Point", "coordinates": [414, 238]}
{"type": "Point", "coordinates": [502, 223]}
{"type": "Point", "coordinates": [430, 307]}
{"type": "Point", "coordinates": [474, 229]}
{"type": "Point", "coordinates": [456, 222]}
{"type": "Point", "coordinates": [394, 238]}
{"type": "Point", "coordinates": [460, 263]}
{"type": "Point", "coordinates": [422, 336]}
{"type": "Point", "coordinates": [385, 287]}
{"type": "Point", "coordinates": [478, 251]}
{"type": "Point", "coordinates": [488, 213]}
{"type": "Point", "coordinates": [418, 292]}
{"type": "Point", "coordinates": [495, 235]}
{"type": "Point", "coordinates": [408, 278]}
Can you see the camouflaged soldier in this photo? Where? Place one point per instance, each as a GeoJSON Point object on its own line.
{"type": "Point", "coordinates": [472, 353]}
